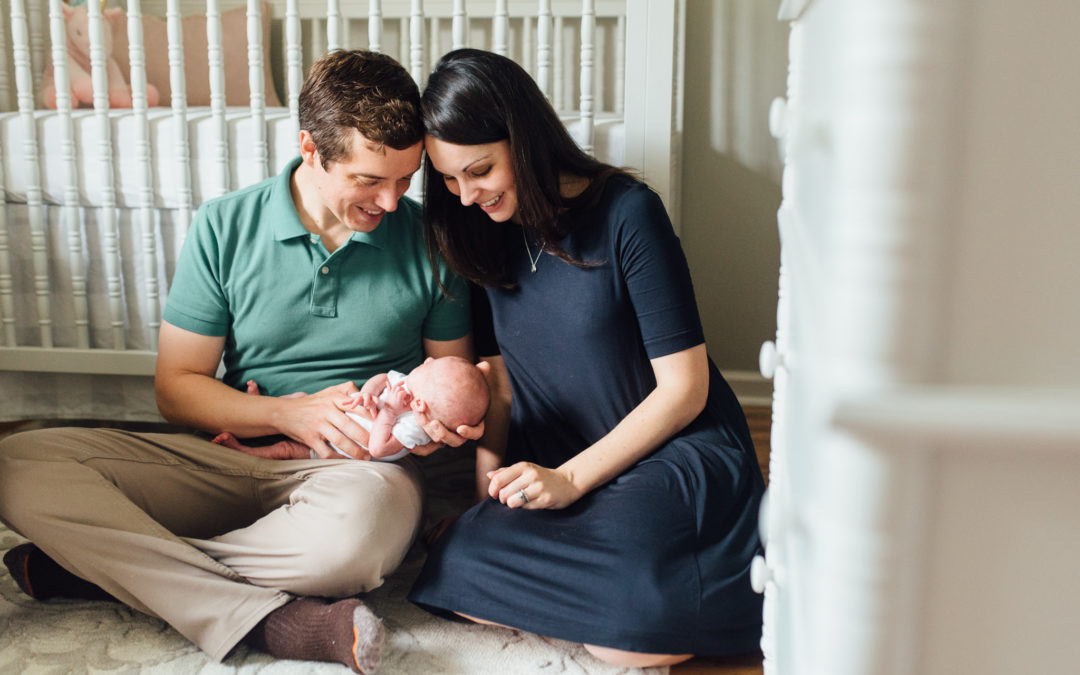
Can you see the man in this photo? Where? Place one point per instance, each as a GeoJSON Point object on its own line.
{"type": "Point", "coordinates": [310, 282]}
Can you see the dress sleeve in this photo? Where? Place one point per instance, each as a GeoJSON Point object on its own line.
{"type": "Point", "coordinates": [196, 300]}
{"type": "Point", "coordinates": [657, 277]}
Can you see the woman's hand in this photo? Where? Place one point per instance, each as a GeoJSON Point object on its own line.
{"type": "Point", "coordinates": [527, 485]}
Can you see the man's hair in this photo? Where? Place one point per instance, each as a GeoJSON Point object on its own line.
{"type": "Point", "coordinates": [362, 90]}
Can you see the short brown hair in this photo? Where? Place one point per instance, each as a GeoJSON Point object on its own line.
{"type": "Point", "coordinates": [362, 90]}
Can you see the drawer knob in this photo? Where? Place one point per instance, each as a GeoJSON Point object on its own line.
{"type": "Point", "coordinates": [778, 117]}
{"type": "Point", "coordinates": [760, 574]}
{"type": "Point", "coordinates": [769, 359]}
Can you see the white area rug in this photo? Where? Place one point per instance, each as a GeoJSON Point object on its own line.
{"type": "Point", "coordinates": [63, 636]}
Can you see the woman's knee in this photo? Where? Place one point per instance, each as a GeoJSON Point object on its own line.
{"type": "Point", "coordinates": [626, 659]}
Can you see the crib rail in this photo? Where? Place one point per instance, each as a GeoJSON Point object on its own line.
{"type": "Point", "coordinates": [93, 219]}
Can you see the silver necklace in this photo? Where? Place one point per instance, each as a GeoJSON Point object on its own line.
{"type": "Point", "coordinates": [528, 252]}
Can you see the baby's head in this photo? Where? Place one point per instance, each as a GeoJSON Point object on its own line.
{"type": "Point", "coordinates": [455, 391]}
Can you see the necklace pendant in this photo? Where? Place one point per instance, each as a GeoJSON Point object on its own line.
{"type": "Point", "coordinates": [528, 252]}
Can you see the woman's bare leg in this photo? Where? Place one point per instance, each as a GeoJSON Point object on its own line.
{"type": "Point", "coordinates": [616, 657]}
{"type": "Point", "coordinates": [635, 659]}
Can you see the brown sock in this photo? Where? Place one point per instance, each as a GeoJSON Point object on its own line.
{"type": "Point", "coordinates": [313, 629]}
{"type": "Point", "coordinates": [41, 577]}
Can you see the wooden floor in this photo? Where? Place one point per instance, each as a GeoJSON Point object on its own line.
{"type": "Point", "coordinates": [760, 421]}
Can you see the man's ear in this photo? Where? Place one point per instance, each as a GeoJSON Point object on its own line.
{"type": "Point", "coordinates": [485, 367]}
{"type": "Point", "coordinates": [307, 147]}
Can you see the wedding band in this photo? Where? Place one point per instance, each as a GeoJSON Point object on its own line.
{"type": "Point", "coordinates": [522, 496]}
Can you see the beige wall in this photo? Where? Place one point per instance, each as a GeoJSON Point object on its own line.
{"type": "Point", "coordinates": [736, 63]}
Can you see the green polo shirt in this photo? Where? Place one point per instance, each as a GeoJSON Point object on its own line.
{"type": "Point", "coordinates": [296, 317]}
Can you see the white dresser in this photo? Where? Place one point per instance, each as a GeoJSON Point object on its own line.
{"type": "Point", "coordinates": [923, 512]}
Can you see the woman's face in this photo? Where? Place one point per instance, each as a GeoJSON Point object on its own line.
{"type": "Point", "coordinates": [477, 174]}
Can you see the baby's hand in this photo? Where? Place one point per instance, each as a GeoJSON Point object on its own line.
{"type": "Point", "coordinates": [398, 397]}
{"type": "Point", "coordinates": [360, 400]}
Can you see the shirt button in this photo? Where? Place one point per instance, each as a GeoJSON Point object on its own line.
{"type": "Point", "coordinates": [325, 270]}
{"type": "Point", "coordinates": [314, 239]}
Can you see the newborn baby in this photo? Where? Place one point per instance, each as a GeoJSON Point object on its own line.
{"type": "Point", "coordinates": [449, 389]}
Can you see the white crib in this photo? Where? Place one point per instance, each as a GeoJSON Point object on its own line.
{"type": "Point", "coordinates": [922, 511]}
{"type": "Point", "coordinates": [97, 201]}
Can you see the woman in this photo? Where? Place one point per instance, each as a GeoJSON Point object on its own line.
{"type": "Point", "coordinates": [623, 480]}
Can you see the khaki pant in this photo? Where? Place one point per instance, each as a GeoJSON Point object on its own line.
{"type": "Point", "coordinates": [206, 538]}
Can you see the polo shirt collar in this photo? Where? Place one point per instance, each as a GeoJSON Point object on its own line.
{"type": "Point", "coordinates": [286, 221]}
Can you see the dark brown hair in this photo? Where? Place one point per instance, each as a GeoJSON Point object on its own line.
{"type": "Point", "coordinates": [362, 90]}
{"type": "Point", "coordinates": [475, 97]}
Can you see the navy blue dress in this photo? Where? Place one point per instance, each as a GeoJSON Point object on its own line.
{"type": "Point", "coordinates": [658, 559]}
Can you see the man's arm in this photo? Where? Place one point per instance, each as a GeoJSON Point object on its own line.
{"type": "Point", "coordinates": [189, 394]}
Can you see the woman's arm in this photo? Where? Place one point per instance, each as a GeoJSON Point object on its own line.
{"type": "Point", "coordinates": [491, 448]}
{"type": "Point", "coordinates": [682, 387]}
{"type": "Point", "coordinates": [188, 393]}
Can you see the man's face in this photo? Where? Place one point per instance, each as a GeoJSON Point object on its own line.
{"type": "Point", "coordinates": [360, 188]}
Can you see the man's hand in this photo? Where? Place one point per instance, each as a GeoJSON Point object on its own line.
{"type": "Point", "coordinates": [318, 420]}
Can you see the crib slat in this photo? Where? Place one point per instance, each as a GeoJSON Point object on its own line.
{"type": "Point", "coordinates": [543, 48]}
{"type": "Point", "coordinates": [109, 226]}
{"type": "Point", "coordinates": [178, 87]}
{"type": "Point", "coordinates": [216, 64]}
{"type": "Point", "coordinates": [500, 25]}
{"type": "Point", "coordinates": [24, 89]}
{"type": "Point", "coordinates": [459, 26]}
{"type": "Point", "coordinates": [146, 180]}
{"type": "Point", "coordinates": [375, 25]}
{"type": "Point", "coordinates": [333, 25]}
{"type": "Point", "coordinates": [62, 82]}
{"type": "Point", "coordinates": [38, 19]}
{"type": "Point", "coordinates": [70, 208]}
{"type": "Point", "coordinates": [558, 89]}
{"type": "Point", "coordinates": [620, 65]}
{"type": "Point", "coordinates": [255, 80]}
{"type": "Point", "coordinates": [5, 83]}
{"type": "Point", "coordinates": [416, 41]}
{"type": "Point", "coordinates": [7, 287]}
{"type": "Point", "coordinates": [588, 36]}
{"type": "Point", "coordinates": [294, 67]}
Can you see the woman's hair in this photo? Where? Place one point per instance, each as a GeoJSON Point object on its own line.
{"type": "Point", "coordinates": [362, 90]}
{"type": "Point", "coordinates": [475, 97]}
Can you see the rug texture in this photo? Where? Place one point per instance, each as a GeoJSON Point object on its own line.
{"type": "Point", "coordinates": [66, 636]}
